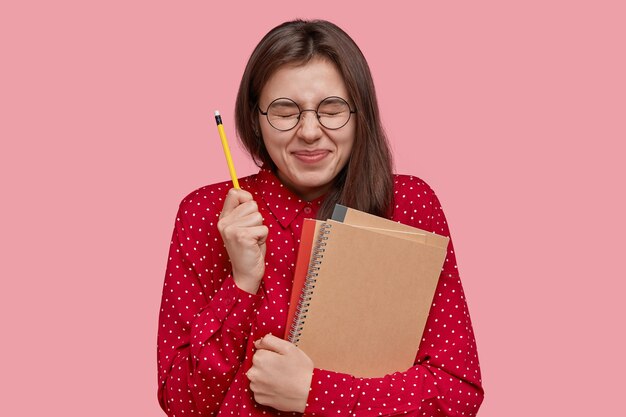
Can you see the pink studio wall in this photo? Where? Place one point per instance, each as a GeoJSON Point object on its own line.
{"type": "Point", "coordinates": [512, 111]}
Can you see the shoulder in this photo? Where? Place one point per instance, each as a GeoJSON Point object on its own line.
{"type": "Point", "coordinates": [409, 189]}
{"type": "Point", "coordinates": [413, 201]}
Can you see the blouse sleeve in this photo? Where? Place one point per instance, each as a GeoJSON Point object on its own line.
{"type": "Point", "coordinates": [445, 379]}
{"type": "Point", "coordinates": [204, 322]}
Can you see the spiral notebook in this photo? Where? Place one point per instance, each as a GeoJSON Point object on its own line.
{"type": "Point", "coordinates": [362, 292]}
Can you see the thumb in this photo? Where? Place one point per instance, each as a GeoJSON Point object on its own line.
{"type": "Point", "coordinates": [233, 199]}
{"type": "Point", "coordinates": [273, 343]}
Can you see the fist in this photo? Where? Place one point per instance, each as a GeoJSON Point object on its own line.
{"type": "Point", "coordinates": [281, 374]}
{"type": "Point", "coordinates": [241, 226]}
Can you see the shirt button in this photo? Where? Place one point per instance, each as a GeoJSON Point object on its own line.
{"type": "Point", "coordinates": [307, 210]}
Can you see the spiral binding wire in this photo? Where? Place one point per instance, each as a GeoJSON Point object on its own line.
{"type": "Point", "coordinates": [309, 284]}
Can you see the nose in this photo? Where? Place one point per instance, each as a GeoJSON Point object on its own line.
{"type": "Point", "coordinates": [309, 128]}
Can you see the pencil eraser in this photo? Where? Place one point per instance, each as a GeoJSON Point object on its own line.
{"type": "Point", "coordinates": [217, 112]}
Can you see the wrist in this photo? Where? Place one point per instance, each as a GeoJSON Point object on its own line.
{"type": "Point", "coordinates": [247, 284]}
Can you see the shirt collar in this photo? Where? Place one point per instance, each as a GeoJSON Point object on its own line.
{"type": "Point", "coordinates": [281, 201]}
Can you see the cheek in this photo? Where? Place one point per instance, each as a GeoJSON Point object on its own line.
{"type": "Point", "coordinates": [347, 144]}
{"type": "Point", "coordinates": [273, 145]}
{"type": "Point", "coordinates": [276, 149]}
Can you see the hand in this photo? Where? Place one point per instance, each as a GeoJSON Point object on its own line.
{"type": "Point", "coordinates": [281, 374]}
{"type": "Point", "coordinates": [243, 233]}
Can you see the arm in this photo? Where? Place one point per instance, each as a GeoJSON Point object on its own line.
{"type": "Point", "coordinates": [204, 322]}
{"type": "Point", "coordinates": [445, 380]}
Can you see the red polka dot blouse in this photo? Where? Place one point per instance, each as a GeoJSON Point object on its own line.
{"type": "Point", "coordinates": [207, 325]}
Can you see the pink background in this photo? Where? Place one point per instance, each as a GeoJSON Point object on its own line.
{"type": "Point", "coordinates": [515, 115]}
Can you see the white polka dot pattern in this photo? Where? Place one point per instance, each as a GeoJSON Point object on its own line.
{"type": "Point", "coordinates": [207, 324]}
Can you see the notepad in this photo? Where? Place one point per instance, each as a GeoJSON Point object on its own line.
{"type": "Point", "coordinates": [363, 288]}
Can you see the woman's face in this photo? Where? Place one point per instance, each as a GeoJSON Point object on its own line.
{"type": "Point", "coordinates": [309, 156]}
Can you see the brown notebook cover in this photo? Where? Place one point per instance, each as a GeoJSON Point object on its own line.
{"type": "Point", "coordinates": [367, 295]}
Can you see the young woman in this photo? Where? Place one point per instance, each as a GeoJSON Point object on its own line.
{"type": "Point", "coordinates": [307, 113]}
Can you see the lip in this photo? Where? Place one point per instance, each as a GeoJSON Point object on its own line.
{"type": "Point", "coordinates": [311, 157]}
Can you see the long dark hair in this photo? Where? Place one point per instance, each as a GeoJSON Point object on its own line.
{"type": "Point", "coordinates": [366, 182]}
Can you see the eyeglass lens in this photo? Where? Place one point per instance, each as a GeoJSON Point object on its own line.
{"type": "Point", "coordinates": [332, 113]}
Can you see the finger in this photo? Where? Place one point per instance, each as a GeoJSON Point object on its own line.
{"type": "Point", "coordinates": [245, 208]}
{"type": "Point", "coordinates": [249, 208]}
{"type": "Point", "coordinates": [253, 218]}
{"type": "Point", "coordinates": [259, 233]}
{"type": "Point", "coordinates": [274, 344]}
{"type": "Point", "coordinates": [259, 358]}
{"type": "Point", "coordinates": [246, 214]}
{"type": "Point", "coordinates": [253, 235]}
{"type": "Point", "coordinates": [261, 398]}
{"type": "Point", "coordinates": [238, 228]}
{"type": "Point", "coordinates": [255, 360]}
{"type": "Point", "coordinates": [233, 199]}
{"type": "Point", "coordinates": [261, 236]}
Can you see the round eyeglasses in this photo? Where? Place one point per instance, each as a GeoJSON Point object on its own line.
{"type": "Point", "coordinates": [284, 114]}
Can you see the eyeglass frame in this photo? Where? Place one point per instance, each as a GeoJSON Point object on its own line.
{"type": "Point", "coordinates": [265, 113]}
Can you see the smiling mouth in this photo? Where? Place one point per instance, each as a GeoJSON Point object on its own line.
{"type": "Point", "coordinates": [311, 156]}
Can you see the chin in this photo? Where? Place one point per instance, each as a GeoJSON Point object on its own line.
{"type": "Point", "coordinates": [305, 184]}
{"type": "Point", "coordinates": [312, 179]}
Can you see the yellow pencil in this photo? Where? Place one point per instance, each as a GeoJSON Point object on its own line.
{"type": "Point", "coordinates": [229, 159]}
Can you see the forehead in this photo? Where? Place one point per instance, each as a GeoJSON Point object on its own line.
{"type": "Point", "coordinates": [307, 84]}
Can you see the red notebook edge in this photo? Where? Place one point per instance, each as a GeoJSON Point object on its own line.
{"type": "Point", "coordinates": [302, 265]}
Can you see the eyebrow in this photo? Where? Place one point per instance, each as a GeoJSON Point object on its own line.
{"type": "Point", "coordinates": [334, 99]}
{"type": "Point", "coordinates": [283, 101]}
